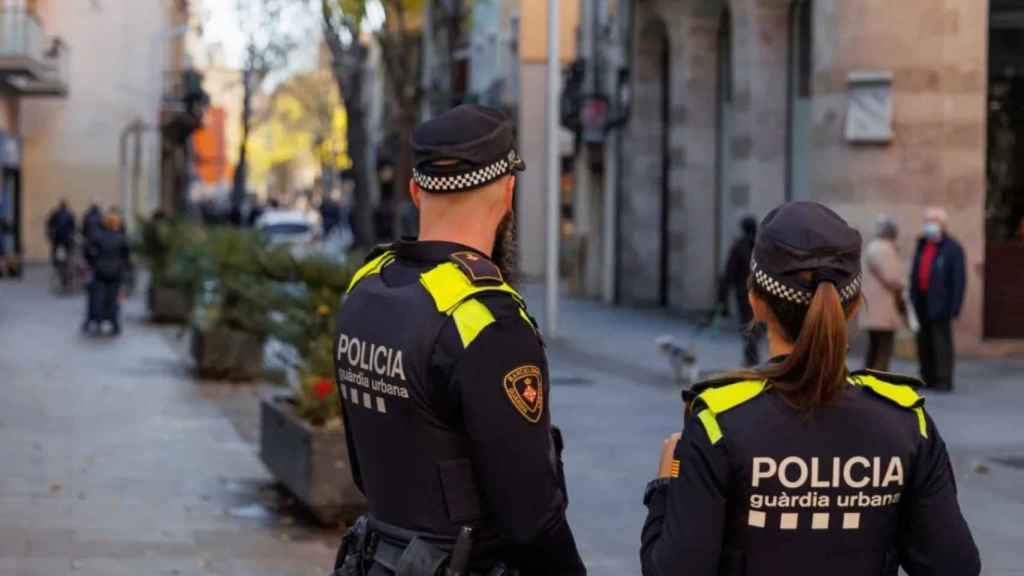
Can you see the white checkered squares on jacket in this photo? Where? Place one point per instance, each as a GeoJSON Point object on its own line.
{"type": "Point", "coordinates": [465, 181]}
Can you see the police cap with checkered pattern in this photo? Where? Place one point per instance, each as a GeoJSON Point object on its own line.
{"type": "Point", "coordinates": [465, 148]}
{"type": "Point", "coordinates": [802, 244]}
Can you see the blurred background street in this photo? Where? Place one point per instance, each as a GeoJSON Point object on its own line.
{"type": "Point", "coordinates": [226, 164]}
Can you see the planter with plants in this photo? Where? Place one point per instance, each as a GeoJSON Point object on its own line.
{"type": "Point", "coordinates": [233, 299]}
{"type": "Point", "coordinates": [168, 296]}
{"type": "Point", "coordinates": [302, 439]}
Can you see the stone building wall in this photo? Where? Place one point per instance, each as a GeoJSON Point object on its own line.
{"type": "Point", "coordinates": [708, 191]}
{"type": "Point", "coordinates": [938, 59]}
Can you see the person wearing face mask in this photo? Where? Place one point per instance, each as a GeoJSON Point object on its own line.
{"type": "Point", "coordinates": [938, 281]}
{"type": "Point", "coordinates": [444, 381]}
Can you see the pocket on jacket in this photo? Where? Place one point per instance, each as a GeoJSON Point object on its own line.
{"type": "Point", "coordinates": [460, 492]}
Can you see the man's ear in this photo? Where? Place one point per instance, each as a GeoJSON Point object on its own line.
{"type": "Point", "coordinates": [414, 193]}
{"type": "Point", "coordinates": [510, 193]}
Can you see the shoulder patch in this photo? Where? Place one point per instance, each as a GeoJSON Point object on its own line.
{"type": "Point", "coordinates": [525, 389]}
{"type": "Point", "coordinates": [479, 270]}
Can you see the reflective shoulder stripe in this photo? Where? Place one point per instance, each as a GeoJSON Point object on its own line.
{"type": "Point", "coordinates": [707, 418]}
{"type": "Point", "coordinates": [726, 398]}
{"type": "Point", "coordinates": [471, 317]}
{"type": "Point", "coordinates": [899, 394]}
{"type": "Point", "coordinates": [526, 318]}
{"type": "Point", "coordinates": [449, 286]}
{"type": "Point", "coordinates": [370, 268]}
{"type": "Point", "coordinates": [723, 399]}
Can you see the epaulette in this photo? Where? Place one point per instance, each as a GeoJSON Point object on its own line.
{"type": "Point", "coordinates": [721, 395]}
{"type": "Point", "coordinates": [895, 388]}
{"type": "Point", "coordinates": [890, 377]}
{"type": "Point", "coordinates": [479, 269]}
{"type": "Point", "coordinates": [378, 250]}
{"type": "Point", "coordinates": [690, 394]}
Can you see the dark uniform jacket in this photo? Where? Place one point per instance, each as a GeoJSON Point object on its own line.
{"type": "Point", "coordinates": [108, 254]}
{"type": "Point", "coordinates": [855, 488]}
{"type": "Point", "coordinates": [445, 401]}
{"type": "Point", "coordinates": [946, 284]}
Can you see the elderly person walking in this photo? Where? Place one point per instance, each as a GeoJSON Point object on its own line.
{"type": "Point", "coordinates": [884, 281]}
{"type": "Point", "coordinates": [938, 280]}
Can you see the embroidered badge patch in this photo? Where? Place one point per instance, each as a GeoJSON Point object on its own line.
{"type": "Point", "coordinates": [525, 388]}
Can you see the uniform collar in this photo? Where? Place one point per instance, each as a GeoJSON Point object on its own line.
{"type": "Point", "coordinates": [433, 251]}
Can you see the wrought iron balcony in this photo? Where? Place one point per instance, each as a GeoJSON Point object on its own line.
{"type": "Point", "coordinates": [31, 63]}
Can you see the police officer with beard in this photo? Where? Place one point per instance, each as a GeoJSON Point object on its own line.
{"type": "Point", "coordinates": [444, 382]}
{"type": "Point", "coordinates": [800, 467]}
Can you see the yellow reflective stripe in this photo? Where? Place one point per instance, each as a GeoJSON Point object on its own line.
{"type": "Point", "coordinates": [526, 317]}
{"type": "Point", "coordinates": [707, 418]}
{"type": "Point", "coordinates": [901, 394]}
{"type": "Point", "coordinates": [728, 397]}
{"type": "Point", "coordinates": [370, 268]}
{"type": "Point", "coordinates": [448, 286]}
{"type": "Point", "coordinates": [922, 423]}
{"type": "Point", "coordinates": [471, 317]}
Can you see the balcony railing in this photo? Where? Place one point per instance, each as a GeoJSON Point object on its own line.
{"type": "Point", "coordinates": [30, 62]}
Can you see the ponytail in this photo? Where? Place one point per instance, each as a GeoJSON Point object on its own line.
{"type": "Point", "coordinates": [815, 372]}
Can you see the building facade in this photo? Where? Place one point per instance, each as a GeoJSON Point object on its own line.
{"type": "Point", "coordinates": [118, 53]}
{"type": "Point", "coordinates": [871, 107]}
{"type": "Point", "coordinates": [33, 65]}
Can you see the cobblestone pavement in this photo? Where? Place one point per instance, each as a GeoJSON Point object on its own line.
{"type": "Point", "coordinates": [115, 462]}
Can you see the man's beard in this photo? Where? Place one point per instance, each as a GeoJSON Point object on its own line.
{"type": "Point", "coordinates": [506, 250]}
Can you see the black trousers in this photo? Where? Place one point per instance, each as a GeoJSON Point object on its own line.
{"type": "Point", "coordinates": [103, 304]}
{"type": "Point", "coordinates": [880, 347]}
{"type": "Point", "coordinates": [935, 351]}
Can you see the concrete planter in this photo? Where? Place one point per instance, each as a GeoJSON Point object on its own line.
{"type": "Point", "coordinates": [223, 354]}
{"type": "Point", "coordinates": [311, 462]}
{"type": "Point", "coordinates": [168, 304]}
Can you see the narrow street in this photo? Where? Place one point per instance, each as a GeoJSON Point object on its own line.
{"type": "Point", "coordinates": [117, 462]}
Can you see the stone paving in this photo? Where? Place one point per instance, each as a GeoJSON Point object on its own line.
{"type": "Point", "coordinates": [115, 461]}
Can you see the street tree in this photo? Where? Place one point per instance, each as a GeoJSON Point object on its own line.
{"type": "Point", "coordinates": [398, 37]}
{"type": "Point", "coordinates": [268, 44]}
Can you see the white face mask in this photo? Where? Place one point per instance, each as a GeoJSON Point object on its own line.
{"type": "Point", "coordinates": [933, 231]}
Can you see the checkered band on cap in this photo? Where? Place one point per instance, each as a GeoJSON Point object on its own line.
{"type": "Point", "coordinates": [796, 295]}
{"type": "Point", "coordinates": [468, 180]}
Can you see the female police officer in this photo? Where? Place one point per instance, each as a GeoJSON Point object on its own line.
{"type": "Point", "coordinates": [799, 467]}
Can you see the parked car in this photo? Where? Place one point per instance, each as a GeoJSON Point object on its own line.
{"type": "Point", "coordinates": [290, 228]}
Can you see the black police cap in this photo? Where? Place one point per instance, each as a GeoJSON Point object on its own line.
{"type": "Point", "coordinates": [465, 148]}
{"type": "Point", "coordinates": [802, 244]}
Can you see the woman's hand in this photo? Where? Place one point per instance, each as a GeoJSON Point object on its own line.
{"type": "Point", "coordinates": [668, 450]}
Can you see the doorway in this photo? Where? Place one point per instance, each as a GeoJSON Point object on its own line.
{"type": "Point", "coordinates": [1004, 202]}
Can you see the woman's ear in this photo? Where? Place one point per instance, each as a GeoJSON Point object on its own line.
{"type": "Point", "coordinates": [759, 307]}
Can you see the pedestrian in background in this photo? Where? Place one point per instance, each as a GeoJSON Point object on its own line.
{"type": "Point", "coordinates": [938, 280]}
{"type": "Point", "coordinates": [92, 222]}
{"type": "Point", "coordinates": [734, 279]}
{"type": "Point", "coordinates": [60, 230]}
{"type": "Point", "coordinates": [108, 251]}
{"type": "Point", "coordinates": [884, 282]}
